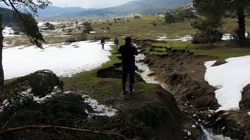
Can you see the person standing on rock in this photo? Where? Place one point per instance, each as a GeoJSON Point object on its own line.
{"type": "Point", "coordinates": [128, 52]}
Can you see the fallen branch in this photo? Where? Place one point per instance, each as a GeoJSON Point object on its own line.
{"type": "Point", "coordinates": [8, 121]}
{"type": "Point", "coordinates": [60, 127]}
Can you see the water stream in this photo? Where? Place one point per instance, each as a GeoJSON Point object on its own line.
{"type": "Point", "coordinates": [144, 72]}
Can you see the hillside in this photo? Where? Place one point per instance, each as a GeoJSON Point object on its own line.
{"type": "Point", "coordinates": [143, 7]}
{"type": "Point", "coordinates": [53, 10]}
{"type": "Point", "coordinates": [8, 16]}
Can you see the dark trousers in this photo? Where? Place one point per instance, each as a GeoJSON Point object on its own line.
{"type": "Point", "coordinates": [128, 68]}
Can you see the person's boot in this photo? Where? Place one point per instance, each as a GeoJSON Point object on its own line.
{"type": "Point", "coordinates": [131, 86]}
{"type": "Point", "coordinates": [124, 88]}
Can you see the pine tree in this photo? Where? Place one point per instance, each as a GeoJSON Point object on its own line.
{"type": "Point", "coordinates": [169, 18]}
{"type": "Point", "coordinates": [27, 23]}
{"type": "Point", "coordinates": [213, 10]}
{"type": "Point", "coordinates": [87, 27]}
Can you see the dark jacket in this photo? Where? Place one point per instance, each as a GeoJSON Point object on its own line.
{"type": "Point", "coordinates": [128, 53]}
{"type": "Point", "coordinates": [116, 41]}
{"type": "Point", "coordinates": [102, 41]}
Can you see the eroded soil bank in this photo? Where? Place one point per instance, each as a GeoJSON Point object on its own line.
{"type": "Point", "coordinates": [184, 73]}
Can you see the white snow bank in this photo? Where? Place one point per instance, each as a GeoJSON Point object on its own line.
{"type": "Point", "coordinates": [248, 113]}
{"type": "Point", "coordinates": [8, 31]}
{"type": "Point", "coordinates": [226, 37]}
{"type": "Point", "coordinates": [229, 79]}
{"type": "Point", "coordinates": [42, 23]}
{"type": "Point", "coordinates": [184, 38]}
{"type": "Point", "coordinates": [63, 60]}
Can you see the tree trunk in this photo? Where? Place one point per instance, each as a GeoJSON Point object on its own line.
{"type": "Point", "coordinates": [1, 53]}
{"type": "Point", "coordinates": [241, 23]}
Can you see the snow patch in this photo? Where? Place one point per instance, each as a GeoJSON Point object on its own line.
{"type": "Point", "coordinates": [64, 60]}
{"type": "Point", "coordinates": [101, 109]}
{"type": "Point", "coordinates": [229, 79]}
{"type": "Point", "coordinates": [184, 38]}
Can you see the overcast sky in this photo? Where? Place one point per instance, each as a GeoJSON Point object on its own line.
{"type": "Point", "coordinates": [84, 3]}
{"type": "Point", "coordinates": [88, 3]}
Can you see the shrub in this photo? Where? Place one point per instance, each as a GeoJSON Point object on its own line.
{"type": "Point", "coordinates": [207, 37]}
{"type": "Point", "coordinates": [77, 37]}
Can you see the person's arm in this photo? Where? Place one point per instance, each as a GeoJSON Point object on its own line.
{"type": "Point", "coordinates": [135, 51]}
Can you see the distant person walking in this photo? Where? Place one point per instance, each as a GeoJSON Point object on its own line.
{"type": "Point", "coordinates": [116, 41]}
{"type": "Point", "coordinates": [102, 42]}
{"type": "Point", "coordinates": [128, 52]}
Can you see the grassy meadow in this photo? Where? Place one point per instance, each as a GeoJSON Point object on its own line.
{"type": "Point", "coordinates": [149, 27]}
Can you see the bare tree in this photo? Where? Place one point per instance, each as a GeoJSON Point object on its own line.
{"type": "Point", "coordinates": [26, 21]}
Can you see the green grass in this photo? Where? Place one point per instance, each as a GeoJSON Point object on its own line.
{"type": "Point", "coordinates": [144, 29]}
{"type": "Point", "coordinates": [160, 49]}
{"type": "Point", "coordinates": [103, 89]}
{"type": "Point", "coordinates": [225, 52]}
{"type": "Point", "coordinates": [231, 24]}
{"type": "Point", "coordinates": [160, 44]}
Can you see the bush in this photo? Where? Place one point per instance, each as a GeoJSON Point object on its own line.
{"type": "Point", "coordinates": [206, 37]}
{"type": "Point", "coordinates": [77, 37]}
{"type": "Point", "coordinates": [95, 38]}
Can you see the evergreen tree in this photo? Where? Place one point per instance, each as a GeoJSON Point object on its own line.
{"type": "Point", "coordinates": [213, 10]}
{"type": "Point", "coordinates": [87, 27]}
{"type": "Point", "coordinates": [27, 23]}
{"type": "Point", "coordinates": [210, 21]}
{"type": "Point", "coordinates": [169, 18]}
{"type": "Point", "coordinates": [239, 6]}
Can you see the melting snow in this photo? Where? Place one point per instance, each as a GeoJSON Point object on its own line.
{"type": "Point", "coordinates": [62, 59]}
{"type": "Point", "coordinates": [229, 79]}
{"type": "Point", "coordinates": [100, 110]}
{"type": "Point", "coordinates": [184, 38]}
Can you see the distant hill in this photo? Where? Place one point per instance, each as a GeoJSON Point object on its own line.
{"type": "Point", "coordinates": [8, 16]}
{"type": "Point", "coordinates": [53, 10]}
{"type": "Point", "coordinates": [143, 7]}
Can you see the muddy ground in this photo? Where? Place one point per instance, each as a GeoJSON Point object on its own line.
{"type": "Point", "coordinates": [184, 73]}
